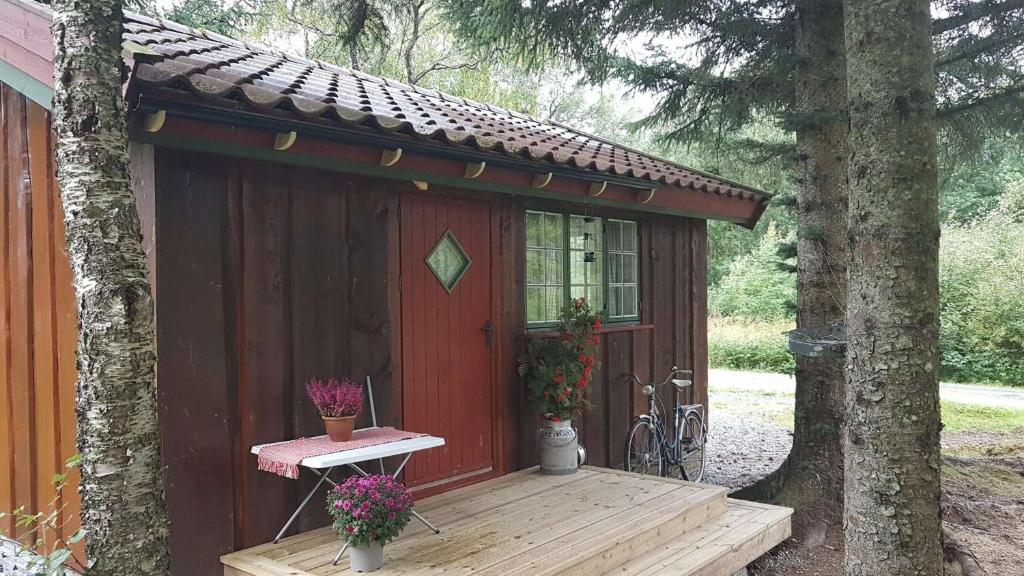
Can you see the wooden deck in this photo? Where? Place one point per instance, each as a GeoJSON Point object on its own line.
{"type": "Point", "coordinates": [598, 521]}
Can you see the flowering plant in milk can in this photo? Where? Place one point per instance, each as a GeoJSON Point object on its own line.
{"type": "Point", "coordinates": [558, 369]}
{"type": "Point", "coordinates": [371, 510]}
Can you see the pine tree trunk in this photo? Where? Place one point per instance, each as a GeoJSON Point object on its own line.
{"type": "Point", "coordinates": [811, 478]}
{"type": "Point", "coordinates": [815, 475]}
{"type": "Point", "coordinates": [123, 510]}
{"type": "Point", "coordinates": [892, 513]}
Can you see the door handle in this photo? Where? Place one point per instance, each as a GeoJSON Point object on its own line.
{"type": "Point", "coordinates": [488, 330]}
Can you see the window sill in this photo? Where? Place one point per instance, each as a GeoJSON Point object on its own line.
{"type": "Point", "coordinates": [607, 329]}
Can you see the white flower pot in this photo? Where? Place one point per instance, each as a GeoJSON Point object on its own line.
{"type": "Point", "coordinates": [366, 558]}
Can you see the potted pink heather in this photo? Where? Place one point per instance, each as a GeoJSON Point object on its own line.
{"type": "Point", "coordinates": [339, 403]}
{"type": "Point", "coordinates": [368, 513]}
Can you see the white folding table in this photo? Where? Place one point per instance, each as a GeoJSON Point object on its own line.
{"type": "Point", "coordinates": [323, 465]}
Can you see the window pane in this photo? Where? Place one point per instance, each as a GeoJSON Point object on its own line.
{"type": "Point", "coordinates": [629, 301]}
{"type": "Point", "coordinates": [595, 296]}
{"type": "Point", "coordinates": [577, 290]}
{"type": "Point", "coordinates": [534, 229]}
{"type": "Point", "coordinates": [554, 303]}
{"type": "Point", "coordinates": [628, 236]}
{"type": "Point", "coordinates": [553, 230]}
{"type": "Point", "coordinates": [534, 266]}
{"type": "Point", "coordinates": [534, 304]}
{"type": "Point", "coordinates": [577, 267]}
{"type": "Point", "coordinates": [576, 230]}
{"type": "Point", "coordinates": [628, 268]}
{"type": "Point", "coordinates": [615, 301]}
{"type": "Point", "coordinates": [554, 267]}
{"type": "Point", "coordinates": [613, 234]}
{"type": "Point", "coordinates": [614, 268]}
{"type": "Point", "coordinates": [595, 271]}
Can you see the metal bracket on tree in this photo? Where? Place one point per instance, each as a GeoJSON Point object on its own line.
{"type": "Point", "coordinates": [819, 341]}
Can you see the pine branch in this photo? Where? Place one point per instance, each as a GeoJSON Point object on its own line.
{"type": "Point", "coordinates": [973, 12]}
{"type": "Point", "coordinates": [957, 108]}
{"type": "Point", "coordinates": [977, 48]}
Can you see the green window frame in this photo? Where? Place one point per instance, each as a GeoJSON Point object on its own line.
{"type": "Point", "coordinates": [559, 268]}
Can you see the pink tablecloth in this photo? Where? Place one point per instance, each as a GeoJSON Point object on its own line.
{"type": "Point", "coordinates": [283, 459]}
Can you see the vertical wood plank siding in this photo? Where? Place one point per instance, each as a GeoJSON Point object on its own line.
{"type": "Point", "coordinates": [38, 324]}
{"type": "Point", "coordinates": [267, 276]}
{"type": "Point", "coordinates": [673, 331]}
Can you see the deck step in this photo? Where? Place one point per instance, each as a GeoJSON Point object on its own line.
{"type": "Point", "coordinates": [598, 521]}
{"type": "Point", "coordinates": [718, 547]}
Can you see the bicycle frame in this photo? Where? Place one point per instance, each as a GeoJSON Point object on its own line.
{"type": "Point", "coordinates": [670, 448]}
{"type": "Point", "coordinates": [676, 442]}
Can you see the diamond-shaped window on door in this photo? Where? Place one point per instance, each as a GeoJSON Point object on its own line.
{"type": "Point", "coordinates": [448, 261]}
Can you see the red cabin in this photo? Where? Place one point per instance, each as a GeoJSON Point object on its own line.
{"type": "Point", "coordinates": [302, 220]}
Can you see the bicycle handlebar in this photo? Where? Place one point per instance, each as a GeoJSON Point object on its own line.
{"type": "Point", "coordinates": [675, 371]}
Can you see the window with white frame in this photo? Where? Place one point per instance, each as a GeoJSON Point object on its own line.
{"type": "Point", "coordinates": [571, 256]}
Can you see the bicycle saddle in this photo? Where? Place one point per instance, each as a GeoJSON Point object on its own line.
{"type": "Point", "coordinates": [681, 384]}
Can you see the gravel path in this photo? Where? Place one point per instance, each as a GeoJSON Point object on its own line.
{"type": "Point", "coordinates": [742, 449]}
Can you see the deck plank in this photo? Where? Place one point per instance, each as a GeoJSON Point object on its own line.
{"type": "Point", "coordinates": [526, 524]}
{"type": "Point", "coordinates": [487, 538]}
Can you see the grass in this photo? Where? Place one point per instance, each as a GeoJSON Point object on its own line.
{"type": "Point", "coordinates": [741, 344]}
{"type": "Point", "coordinates": [957, 417]}
{"type": "Point", "coordinates": [777, 407]}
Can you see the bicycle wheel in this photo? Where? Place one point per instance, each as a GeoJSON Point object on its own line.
{"type": "Point", "coordinates": [643, 450]}
{"type": "Point", "coordinates": [691, 449]}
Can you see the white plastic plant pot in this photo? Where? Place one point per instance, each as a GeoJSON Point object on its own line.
{"type": "Point", "coordinates": [366, 558]}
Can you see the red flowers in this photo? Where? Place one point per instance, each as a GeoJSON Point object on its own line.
{"type": "Point", "coordinates": [559, 370]}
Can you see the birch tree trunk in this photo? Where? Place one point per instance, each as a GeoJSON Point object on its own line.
{"type": "Point", "coordinates": [892, 452]}
{"type": "Point", "coordinates": [123, 510]}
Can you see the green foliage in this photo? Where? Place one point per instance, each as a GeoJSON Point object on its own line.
{"type": "Point", "coordinates": [741, 344]}
{"type": "Point", "coordinates": [754, 287]}
{"type": "Point", "coordinates": [39, 528]}
{"type": "Point", "coordinates": [971, 186]}
{"type": "Point", "coordinates": [558, 369]}
{"type": "Point", "coordinates": [221, 16]}
{"type": "Point", "coordinates": [981, 288]}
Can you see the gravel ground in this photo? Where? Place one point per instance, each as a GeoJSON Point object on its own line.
{"type": "Point", "coordinates": [742, 450]}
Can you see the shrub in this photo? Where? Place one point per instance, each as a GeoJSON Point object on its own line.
{"type": "Point", "coordinates": [755, 286]}
{"type": "Point", "coordinates": [981, 288]}
{"type": "Point", "coordinates": [743, 344]}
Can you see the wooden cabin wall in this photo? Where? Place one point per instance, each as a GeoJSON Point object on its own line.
{"type": "Point", "coordinates": [267, 276]}
{"type": "Point", "coordinates": [38, 323]}
{"type": "Point", "coordinates": [672, 332]}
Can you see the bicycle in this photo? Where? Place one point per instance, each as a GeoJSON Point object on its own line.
{"type": "Point", "coordinates": [649, 449]}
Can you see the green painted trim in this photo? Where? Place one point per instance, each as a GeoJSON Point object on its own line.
{"type": "Point", "coordinates": [21, 82]}
{"type": "Point", "coordinates": [394, 173]}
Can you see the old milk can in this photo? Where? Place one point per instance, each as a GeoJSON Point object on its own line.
{"type": "Point", "coordinates": [559, 448]}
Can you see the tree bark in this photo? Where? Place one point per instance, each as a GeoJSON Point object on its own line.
{"type": "Point", "coordinates": [123, 509]}
{"type": "Point", "coordinates": [892, 517]}
{"type": "Point", "coordinates": [816, 460]}
{"type": "Point", "coordinates": [811, 478]}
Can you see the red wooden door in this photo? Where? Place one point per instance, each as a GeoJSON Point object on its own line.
{"type": "Point", "coordinates": [446, 350]}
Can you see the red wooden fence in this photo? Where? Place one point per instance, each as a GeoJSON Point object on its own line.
{"type": "Point", "coordinates": [38, 326]}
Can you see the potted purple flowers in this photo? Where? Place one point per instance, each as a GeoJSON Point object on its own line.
{"type": "Point", "coordinates": [369, 512]}
{"type": "Point", "coordinates": [339, 403]}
